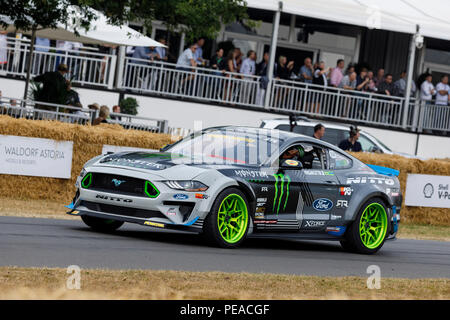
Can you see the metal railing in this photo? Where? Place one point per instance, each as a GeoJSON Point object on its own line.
{"type": "Point", "coordinates": [433, 117]}
{"type": "Point", "coordinates": [85, 67]}
{"type": "Point", "coordinates": [331, 102]}
{"type": "Point", "coordinates": [139, 123]}
{"type": "Point", "coordinates": [189, 82]}
{"type": "Point", "coordinates": [209, 85]}
{"type": "Point", "coordinates": [36, 110]}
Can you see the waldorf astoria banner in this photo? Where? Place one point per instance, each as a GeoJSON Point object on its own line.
{"type": "Point", "coordinates": [35, 157]}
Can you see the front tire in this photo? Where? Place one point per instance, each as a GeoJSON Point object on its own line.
{"type": "Point", "coordinates": [102, 225]}
{"type": "Point", "coordinates": [368, 232]}
{"type": "Point", "coordinates": [226, 225]}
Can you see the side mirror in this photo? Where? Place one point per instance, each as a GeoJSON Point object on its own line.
{"type": "Point", "coordinates": [289, 164]}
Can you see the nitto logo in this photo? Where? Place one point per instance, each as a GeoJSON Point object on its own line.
{"type": "Point", "coordinates": [322, 204]}
{"type": "Point", "coordinates": [99, 196]}
{"type": "Point", "coordinates": [280, 181]}
{"type": "Point", "coordinates": [117, 182]}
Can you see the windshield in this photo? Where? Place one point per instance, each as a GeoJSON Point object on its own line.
{"type": "Point", "coordinates": [227, 146]}
{"type": "Point", "coordinates": [378, 141]}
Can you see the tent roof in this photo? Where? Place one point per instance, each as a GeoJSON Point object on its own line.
{"type": "Point", "coordinates": [398, 15]}
{"type": "Point", "coordinates": [100, 32]}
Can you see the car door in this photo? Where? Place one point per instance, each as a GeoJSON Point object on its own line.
{"type": "Point", "coordinates": [319, 188]}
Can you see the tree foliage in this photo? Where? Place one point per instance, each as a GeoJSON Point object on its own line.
{"type": "Point", "coordinates": [197, 18]}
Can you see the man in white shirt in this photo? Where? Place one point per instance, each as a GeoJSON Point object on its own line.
{"type": "Point", "coordinates": [249, 65]}
{"type": "Point", "coordinates": [248, 68]}
{"type": "Point", "coordinates": [186, 62]}
{"type": "Point", "coordinates": [442, 91]}
{"type": "Point", "coordinates": [427, 90]}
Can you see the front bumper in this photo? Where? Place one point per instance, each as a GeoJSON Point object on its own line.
{"type": "Point", "coordinates": [171, 209]}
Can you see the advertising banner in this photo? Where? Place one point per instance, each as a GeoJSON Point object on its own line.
{"type": "Point", "coordinates": [427, 191]}
{"type": "Point", "coordinates": [35, 157]}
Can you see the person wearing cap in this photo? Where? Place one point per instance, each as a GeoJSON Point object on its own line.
{"type": "Point", "coordinates": [54, 85]}
{"type": "Point", "coordinates": [352, 143]}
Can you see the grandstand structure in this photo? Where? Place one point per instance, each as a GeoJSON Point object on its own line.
{"type": "Point", "coordinates": [296, 29]}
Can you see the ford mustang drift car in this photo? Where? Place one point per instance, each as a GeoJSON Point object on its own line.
{"type": "Point", "coordinates": [232, 182]}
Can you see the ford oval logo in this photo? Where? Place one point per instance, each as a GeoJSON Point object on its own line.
{"type": "Point", "coordinates": [180, 196]}
{"type": "Point", "coordinates": [322, 204]}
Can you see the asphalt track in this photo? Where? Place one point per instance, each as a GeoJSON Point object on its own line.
{"type": "Point", "coordinates": [30, 242]}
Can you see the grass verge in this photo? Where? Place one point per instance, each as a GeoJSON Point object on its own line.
{"type": "Point", "coordinates": [46, 283]}
{"type": "Point", "coordinates": [56, 210]}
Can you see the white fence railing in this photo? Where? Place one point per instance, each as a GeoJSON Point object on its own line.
{"type": "Point", "coordinates": [85, 67]}
{"type": "Point", "coordinates": [198, 83]}
{"type": "Point", "coordinates": [35, 110]}
{"type": "Point", "coordinates": [209, 85]}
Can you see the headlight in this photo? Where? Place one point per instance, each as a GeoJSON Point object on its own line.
{"type": "Point", "coordinates": [83, 173]}
{"type": "Point", "coordinates": [189, 186]}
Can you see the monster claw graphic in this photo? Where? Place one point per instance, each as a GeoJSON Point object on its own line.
{"type": "Point", "coordinates": [280, 193]}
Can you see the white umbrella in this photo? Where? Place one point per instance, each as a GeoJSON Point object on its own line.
{"type": "Point", "coordinates": [100, 32]}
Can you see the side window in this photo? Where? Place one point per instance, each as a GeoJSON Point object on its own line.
{"type": "Point", "coordinates": [311, 156]}
{"type": "Point", "coordinates": [338, 160]}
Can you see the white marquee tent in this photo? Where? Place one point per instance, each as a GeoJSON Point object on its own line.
{"type": "Point", "coordinates": [394, 15]}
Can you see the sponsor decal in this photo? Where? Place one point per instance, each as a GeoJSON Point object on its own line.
{"type": "Point", "coordinates": [118, 199]}
{"type": "Point", "coordinates": [334, 217]}
{"type": "Point", "coordinates": [322, 204]}
{"type": "Point", "coordinates": [336, 231]}
{"type": "Point", "coordinates": [265, 221]}
{"type": "Point", "coordinates": [428, 190]}
{"type": "Point", "coordinates": [345, 191]}
{"type": "Point", "coordinates": [282, 183]}
{"type": "Point", "coordinates": [395, 194]}
{"type": "Point", "coordinates": [443, 192]}
{"type": "Point", "coordinates": [342, 204]}
{"type": "Point", "coordinates": [318, 173]}
{"type": "Point", "coordinates": [259, 213]}
{"type": "Point", "coordinates": [154, 224]}
{"type": "Point", "coordinates": [245, 173]}
{"type": "Point", "coordinates": [201, 196]}
{"type": "Point", "coordinates": [373, 180]}
{"type": "Point", "coordinates": [261, 200]}
{"type": "Point", "coordinates": [172, 212]}
{"type": "Point", "coordinates": [314, 223]}
{"type": "Point", "coordinates": [180, 196]}
{"type": "Point", "coordinates": [261, 204]}
{"type": "Point", "coordinates": [117, 182]}
{"type": "Point", "coordinates": [291, 163]}
{"type": "Point", "coordinates": [264, 189]}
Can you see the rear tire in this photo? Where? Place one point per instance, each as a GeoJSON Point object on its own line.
{"type": "Point", "coordinates": [368, 232]}
{"type": "Point", "coordinates": [227, 224]}
{"type": "Point", "coordinates": [103, 225]}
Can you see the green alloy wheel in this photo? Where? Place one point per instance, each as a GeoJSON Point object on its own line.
{"type": "Point", "coordinates": [232, 218]}
{"type": "Point", "coordinates": [373, 225]}
{"type": "Point", "coordinates": [367, 233]}
{"type": "Point", "coordinates": [227, 223]}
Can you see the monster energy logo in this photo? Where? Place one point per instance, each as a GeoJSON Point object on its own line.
{"type": "Point", "coordinates": [280, 182]}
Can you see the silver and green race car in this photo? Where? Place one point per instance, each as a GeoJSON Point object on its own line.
{"type": "Point", "coordinates": [230, 183]}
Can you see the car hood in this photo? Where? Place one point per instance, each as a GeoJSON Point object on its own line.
{"type": "Point", "coordinates": [158, 164]}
